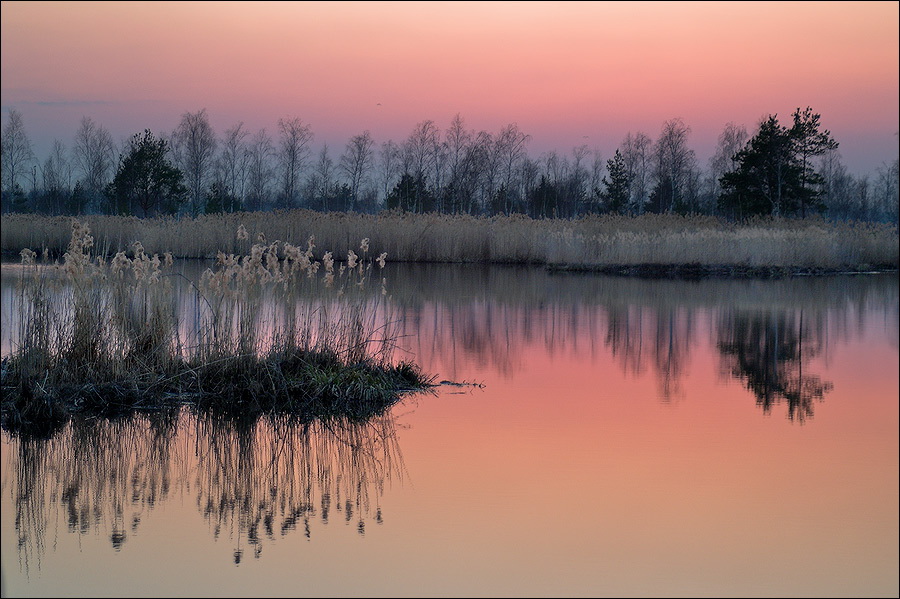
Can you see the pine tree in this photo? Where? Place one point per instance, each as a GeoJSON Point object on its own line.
{"type": "Point", "coordinates": [810, 142]}
{"type": "Point", "coordinates": [617, 187]}
{"type": "Point", "coordinates": [775, 174]}
{"type": "Point", "coordinates": [146, 179]}
{"type": "Point", "coordinates": [767, 178]}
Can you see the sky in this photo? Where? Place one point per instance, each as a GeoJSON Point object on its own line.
{"type": "Point", "coordinates": [566, 73]}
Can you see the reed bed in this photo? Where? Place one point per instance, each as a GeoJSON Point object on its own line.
{"type": "Point", "coordinates": [589, 243]}
{"type": "Point", "coordinates": [759, 247]}
{"type": "Point", "coordinates": [280, 329]}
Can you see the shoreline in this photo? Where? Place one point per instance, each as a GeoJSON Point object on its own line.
{"type": "Point", "coordinates": [645, 270]}
{"type": "Point", "coordinates": [647, 246]}
{"type": "Point", "coordinates": [711, 271]}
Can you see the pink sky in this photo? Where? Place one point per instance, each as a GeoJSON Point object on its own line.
{"type": "Point", "coordinates": [568, 73]}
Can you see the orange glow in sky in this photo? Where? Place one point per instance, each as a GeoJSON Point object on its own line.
{"type": "Point", "coordinates": [568, 73]}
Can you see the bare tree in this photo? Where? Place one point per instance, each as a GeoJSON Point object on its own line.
{"type": "Point", "coordinates": [886, 192]}
{"type": "Point", "coordinates": [293, 151]}
{"type": "Point", "coordinates": [456, 140]}
{"type": "Point", "coordinates": [419, 148]}
{"type": "Point", "coordinates": [419, 156]}
{"type": "Point", "coordinates": [491, 168]}
{"type": "Point", "coordinates": [530, 174]}
{"type": "Point", "coordinates": [465, 156]}
{"type": "Point", "coordinates": [553, 167]}
{"type": "Point", "coordinates": [862, 199]}
{"type": "Point", "coordinates": [94, 156]}
{"type": "Point", "coordinates": [554, 180]}
{"type": "Point", "coordinates": [57, 179]}
{"type": "Point", "coordinates": [673, 164]}
{"type": "Point", "coordinates": [322, 179]}
{"type": "Point", "coordinates": [480, 173]}
{"type": "Point", "coordinates": [233, 162]}
{"type": "Point", "coordinates": [456, 143]}
{"type": "Point", "coordinates": [597, 167]}
{"type": "Point", "coordinates": [579, 175]}
{"type": "Point", "coordinates": [835, 185]}
{"type": "Point", "coordinates": [439, 173]}
{"type": "Point", "coordinates": [389, 166]}
{"type": "Point", "coordinates": [356, 162]}
{"type": "Point", "coordinates": [260, 153]}
{"type": "Point", "coordinates": [17, 155]}
{"type": "Point", "coordinates": [731, 140]}
{"type": "Point", "coordinates": [472, 167]}
{"type": "Point", "coordinates": [509, 146]}
{"type": "Point", "coordinates": [194, 150]}
{"type": "Point", "coordinates": [636, 151]}
{"type": "Point", "coordinates": [693, 201]}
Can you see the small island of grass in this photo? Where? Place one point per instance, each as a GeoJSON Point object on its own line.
{"type": "Point", "coordinates": [108, 338]}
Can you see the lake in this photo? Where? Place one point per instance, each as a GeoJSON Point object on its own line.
{"type": "Point", "coordinates": [594, 436]}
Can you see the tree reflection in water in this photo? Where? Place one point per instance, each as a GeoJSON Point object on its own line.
{"type": "Point", "coordinates": [766, 351]}
{"type": "Point", "coordinates": [489, 320]}
{"type": "Point", "coordinates": [253, 481]}
{"type": "Point", "coordinates": [628, 335]}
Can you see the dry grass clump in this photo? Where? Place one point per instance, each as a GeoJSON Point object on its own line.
{"type": "Point", "coordinates": [275, 330]}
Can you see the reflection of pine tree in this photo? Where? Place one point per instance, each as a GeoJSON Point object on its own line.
{"type": "Point", "coordinates": [767, 351]}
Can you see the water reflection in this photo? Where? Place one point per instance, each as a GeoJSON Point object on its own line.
{"type": "Point", "coordinates": [253, 482]}
{"type": "Point", "coordinates": [665, 334]}
{"type": "Point", "coordinates": [766, 352]}
{"type": "Point", "coordinates": [464, 320]}
{"type": "Point", "coordinates": [487, 321]}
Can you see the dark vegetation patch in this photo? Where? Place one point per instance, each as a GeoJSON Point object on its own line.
{"type": "Point", "coordinates": [305, 385]}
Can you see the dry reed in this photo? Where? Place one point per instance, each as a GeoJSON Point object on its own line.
{"type": "Point", "coordinates": [277, 329]}
{"type": "Point", "coordinates": [591, 242]}
{"type": "Point", "coordinates": [708, 246]}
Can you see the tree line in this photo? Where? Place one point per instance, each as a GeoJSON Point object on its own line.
{"type": "Point", "coordinates": [791, 169]}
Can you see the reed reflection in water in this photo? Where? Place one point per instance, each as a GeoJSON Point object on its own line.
{"type": "Point", "coordinates": [253, 482]}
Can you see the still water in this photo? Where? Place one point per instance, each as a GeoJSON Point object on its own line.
{"type": "Point", "coordinates": [606, 437]}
